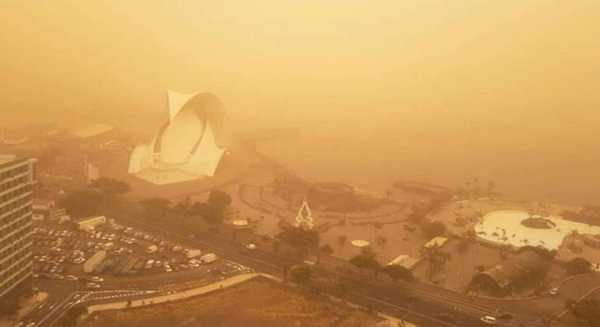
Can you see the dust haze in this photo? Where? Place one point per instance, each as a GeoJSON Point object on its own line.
{"type": "Point", "coordinates": [438, 91]}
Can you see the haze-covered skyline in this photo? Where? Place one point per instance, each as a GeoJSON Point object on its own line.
{"type": "Point", "coordinates": [453, 84]}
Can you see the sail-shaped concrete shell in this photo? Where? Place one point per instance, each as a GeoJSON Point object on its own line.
{"type": "Point", "coordinates": [188, 147]}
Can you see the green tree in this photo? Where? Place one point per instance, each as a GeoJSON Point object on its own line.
{"type": "Point", "coordinates": [214, 209]}
{"type": "Point", "coordinates": [219, 199]}
{"type": "Point", "coordinates": [299, 237]}
{"type": "Point", "coordinates": [110, 187]}
{"type": "Point", "coordinates": [302, 274]}
{"type": "Point", "coordinates": [437, 260]}
{"type": "Point", "coordinates": [156, 207]}
{"type": "Point", "coordinates": [342, 286]}
{"type": "Point", "coordinates": [326, 249]}
{"type": "Point", "coordinates": [397, 272]}
{"type": "Point", "coordinates": [578, 266]}
{"type": "Point", "coordinates": [83, 203]}
{"type": "Point", "coordinates": [587, 312]}
{"type": "Point", "coordinates": [433, 229]}
{"type": "Point", "coordinates": [366, 260]}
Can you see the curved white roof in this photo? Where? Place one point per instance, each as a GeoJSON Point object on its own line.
{"type": "Point", "coordinates": [186, 147]}
{"type": "Point", "coordinates": [180, 136]}
{"type": "Point", "coordinates": [360, 243]}
{"type": "Point", "coordinates": [505, 227]}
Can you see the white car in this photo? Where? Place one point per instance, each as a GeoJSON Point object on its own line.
{"type": "Point", "coordinates": [488, 320]}
{"type": "Point", "coordinates": [79, 260]}
{"type": "Point", "coordinates": [250, 246]}
{"type": "Point", "coordinates": [97, 279]}
{"type": "Point", "coordinates": [92, 285]}
{"type": "Point", "coordinates": [209, 257]}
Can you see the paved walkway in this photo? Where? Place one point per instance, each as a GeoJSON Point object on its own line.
{"type": "Point", "coordinates": [175, 296]}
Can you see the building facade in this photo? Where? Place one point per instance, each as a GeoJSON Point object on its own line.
{"type": "Point", "coordinates": [16, 181]}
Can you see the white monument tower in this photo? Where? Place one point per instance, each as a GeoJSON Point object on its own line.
{"type": "Point", "coordinates": [304, 218]}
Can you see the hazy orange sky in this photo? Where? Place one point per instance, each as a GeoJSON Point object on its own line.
{"type": "Point", "coordinates": [485, 77]}
{"type": "Point", "coordinates": [462, 57]}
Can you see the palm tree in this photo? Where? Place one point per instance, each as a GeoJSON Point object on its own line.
{"type": "Point", "coordinates": [183, 210]}
{"type": "Point", "coordinates": [436, 259]}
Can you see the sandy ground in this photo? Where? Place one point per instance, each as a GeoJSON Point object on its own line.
{"type": "Point", "coordinates": [255, 303]}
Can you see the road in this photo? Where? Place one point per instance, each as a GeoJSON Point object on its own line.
{"type": "Point", "coordinates": [64, 294]}
{"type": "Point", "coordinates": [433, 305]}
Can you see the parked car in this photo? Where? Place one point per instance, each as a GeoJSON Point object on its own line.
{"type": "Point", "coordinates": [209, 257]}
{"type": "Point", "coordinates": [488, 320]}
{"type": "Point", "coordinates": [96, 279]}
{"type": "Point", "coordinates": [92, 285]}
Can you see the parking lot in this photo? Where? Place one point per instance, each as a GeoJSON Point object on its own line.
{"type": "Point", "coordinates": [114, 252]}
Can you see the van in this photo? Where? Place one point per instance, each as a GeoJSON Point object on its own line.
{"type": "Point", "coordinates": [152, 249]}
{"type": "Point", "coordinates": [209, 257]}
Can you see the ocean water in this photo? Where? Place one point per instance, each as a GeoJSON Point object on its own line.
{"type": "Point", "coordinates": [540, 165]}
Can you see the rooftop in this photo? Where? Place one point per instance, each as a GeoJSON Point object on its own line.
{"type": "Point", "coordinates": [506, 227]}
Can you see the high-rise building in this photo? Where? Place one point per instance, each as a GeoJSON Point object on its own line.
{"type": "Point", "coordinates": [16, 180]}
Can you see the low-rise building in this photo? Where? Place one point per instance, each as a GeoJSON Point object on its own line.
{"type": "Point", "coordinates": [90, 223]}
{"type": "Point", "coordinates": [94, 261]}
{"type": "Point", "coordinates": [524, 269]}
{"type": "Point", "coordinates": [46, 209]}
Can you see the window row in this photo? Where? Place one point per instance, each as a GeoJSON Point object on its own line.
{"type": "Point", "coordinates": [7, 284]}
{"type": "Point", "coordinates": [15, 258]}
{"type": "Point", "coordinates": [16, 241]}
{"type": "Point", "coordinates": [12, 183]}
{"type": "Point", "coordinates": [8, 228]}
{"type": "Point", "coordinates": [14, 205]}
{"type": "Point", "coordinates": [13, 194]}
{"type": "Point", "coordinates": [13, 172]}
